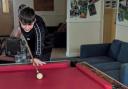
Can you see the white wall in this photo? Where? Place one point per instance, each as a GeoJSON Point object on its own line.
{"type": "Point", "coordinates": [84, 31]}
{"type": "Point", "coordinates": [52, 18]}
{"type": "Point", "coordinates": [16, 4]}
{"type": "Point", "coordinates": [122, 30]}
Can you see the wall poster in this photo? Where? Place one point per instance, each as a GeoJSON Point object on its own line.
{"type": "Point", "coordinates": [123, 10]}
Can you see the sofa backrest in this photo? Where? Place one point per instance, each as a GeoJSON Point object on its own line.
{"type": "Point", "coordinates": [114, 49]}
{"type": "Point", "coordinates": [123, 54]}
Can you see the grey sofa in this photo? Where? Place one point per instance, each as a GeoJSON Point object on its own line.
{"type": "Point", "coordinates": [111, 58]}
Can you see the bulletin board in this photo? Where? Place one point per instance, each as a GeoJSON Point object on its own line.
{"type": "Point", "coordinates": [44, 5]}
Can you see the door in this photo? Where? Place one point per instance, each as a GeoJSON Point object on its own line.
{"type": "Point", "coordinates": [6, 19]}
{"type": "Point", "coordinates": [109, 25]}
{"type": "Point", "coordinates": [110, 11]}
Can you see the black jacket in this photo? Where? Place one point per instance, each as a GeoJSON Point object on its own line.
{"type": "Point", "coordinates": [36, 38]}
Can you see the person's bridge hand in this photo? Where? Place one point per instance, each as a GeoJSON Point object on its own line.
{"type": "Point", "coordinates": [37, 62]}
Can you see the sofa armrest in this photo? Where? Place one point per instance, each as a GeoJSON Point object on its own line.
{"type": "Point", "coordinates": [91, 50]}
{"type": "Point", "coordinates": [124, 74]}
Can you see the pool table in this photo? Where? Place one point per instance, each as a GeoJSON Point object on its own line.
{"type": "Point", "coordinates": [57, 75]}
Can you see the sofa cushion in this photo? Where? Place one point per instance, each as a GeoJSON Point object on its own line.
{"type": "Point", "coordinates": [108, 66]}
{"type": "Point", "coordinates": [123, 54]}
{"type": "Point", "coordinates": [99, 59]}
{"type": "Point", "coordinates": [114, 74]}
{"type": "Point", "coordinates": [114, 49]}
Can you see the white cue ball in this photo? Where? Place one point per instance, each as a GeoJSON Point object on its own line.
{"type": "Point", "coordinates": [39, 76]}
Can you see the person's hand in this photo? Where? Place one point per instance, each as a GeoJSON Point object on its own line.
{"type": "Point", "coordinates": [37, 62]}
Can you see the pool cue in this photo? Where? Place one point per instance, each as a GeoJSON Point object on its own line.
{"type": "Point", "coordinates": [37, 70]}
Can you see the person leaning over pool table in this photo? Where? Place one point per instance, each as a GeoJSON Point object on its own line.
{"type": "Point", "coordinates": [33, 28]}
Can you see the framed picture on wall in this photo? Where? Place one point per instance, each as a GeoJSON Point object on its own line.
{"type": "Point", "coordinates": [44, 5]}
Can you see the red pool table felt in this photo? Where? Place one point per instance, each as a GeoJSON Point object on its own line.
{"type": "Point", "coordinates": [57, 75]}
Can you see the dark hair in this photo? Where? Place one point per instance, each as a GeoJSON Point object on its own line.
{"type": "Point", "coordinates": [26, 14]}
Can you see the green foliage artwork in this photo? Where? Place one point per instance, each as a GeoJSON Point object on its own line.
{"type": "Point", "coordinates": [123, 10]}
